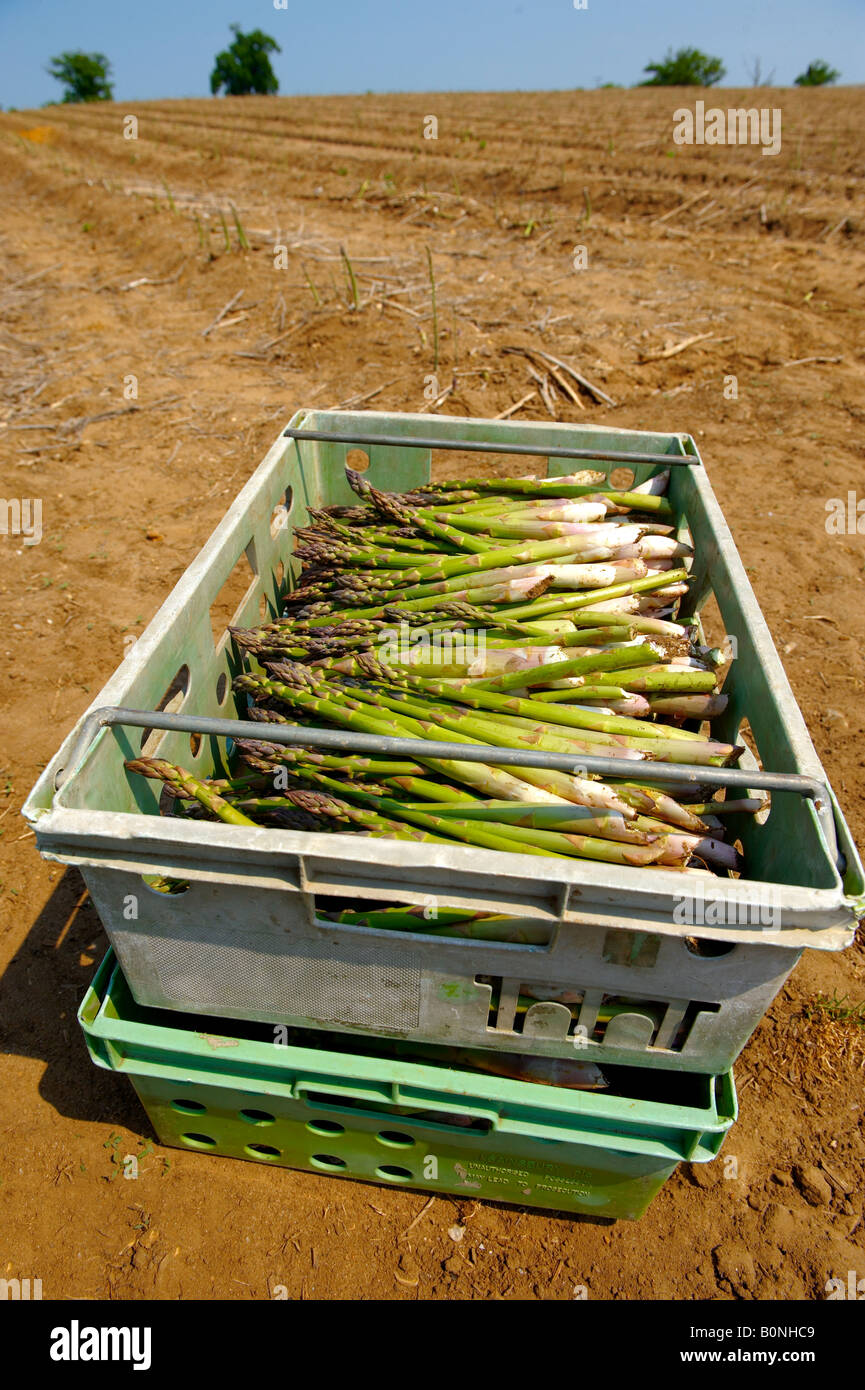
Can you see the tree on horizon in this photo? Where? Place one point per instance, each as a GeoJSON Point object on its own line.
{"type": "Point", "coordinates": [86, 76]}
{"type": "Point", "coordinates": [244, 67]}
{"type": "Point", "coordinates": [818, 74]}
{"type": "Point", "coordinates": [686, 68]}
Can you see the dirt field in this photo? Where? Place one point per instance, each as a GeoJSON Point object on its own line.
{"type": "Point", "coordinates": [116, 256]}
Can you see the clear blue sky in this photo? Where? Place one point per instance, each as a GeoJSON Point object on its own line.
{"type": "Point", "coordinates": [165, 48]}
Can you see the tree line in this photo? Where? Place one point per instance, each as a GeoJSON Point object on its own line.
{"type": "Point", "coordinates": [244, 68]}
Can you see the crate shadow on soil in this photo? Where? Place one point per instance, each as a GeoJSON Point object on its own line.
{"type": "Point", "coordinates": [40, 992]}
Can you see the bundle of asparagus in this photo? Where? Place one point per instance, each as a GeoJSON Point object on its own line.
{"type": "Point", "coordinates": [521, 613]}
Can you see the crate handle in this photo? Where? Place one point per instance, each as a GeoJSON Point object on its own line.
{"type": "Point", "coordinates": [481, 446]}
{"type": "Point", "coordinates": [383, 747]}
{"type": "Point", "coordinates": [399, 1098]}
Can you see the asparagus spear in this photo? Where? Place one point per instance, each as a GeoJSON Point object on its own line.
{"type": "Point", "coordinates": [184, 784]}
{"type": "Point", "coordinates": [542, 675]}
{"type": "Point", "coordinates": [555, 487]}
{"type": "Point", "coordinates": [494, 835]}
{"type": "Point", "coordinates": [569, 716]}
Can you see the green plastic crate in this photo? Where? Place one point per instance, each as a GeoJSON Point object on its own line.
{"type": "Point", "coordinates": [387, 1119]}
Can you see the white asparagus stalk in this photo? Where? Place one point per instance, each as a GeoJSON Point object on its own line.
{"type": "Point", "coordinates": [653, 548]}
{"type": "Point", "coordinates": [583, 478]}
{"type": "Point", "coordinates": [534, 571]}
{"type": "Point", "coordinates": [496, 660]}
{"type": "Point", "coordinates": [628, 603]}
{"type": "Point", "coordinates": [580, 790]}
{"type": "Point", "coordinates": [552, 509]}
{"type": "Point", "coordinates": [655, 610]}
{"type": "Point", "coordinates": [635, 705]}
{"type": "Point", "coordinates": [603, 533]}
{"type": "Point", "coordinates": [654, 606]}
{"type": "Point", "coordinates": [661, 628]}
{"type": "Point", "coordinates": [651, 801]}
{"type": "Point", "coordinates": [689, 706]}
{"type": "Point", "coordinates": [659, 566]}
{"type": "Point", "coordinates": [703, 847]}
{"type": "Point", "coordinates": [654, 487]}
{"type": "Point", "coordinates": [571, 651]}
{"type": "Point", "coordinates": [593, 576]}
{"type": "Point", "coordinates": [670, 591]}
{"type": "Point", "coordinates": [648, 528]}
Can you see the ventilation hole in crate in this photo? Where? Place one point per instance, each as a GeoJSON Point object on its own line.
{"type": "Point", "coordinates": [438, 1119]}
{"type": "Point", "coordinates": [395, 1139]}
{"type": "Point", "coordinates": [189, 1107]}
{"type": "Point", "coordinates": [765, 811]}
{"type": "Point", "coordinates": [357, 460]}
{"type": "Point", "coordinates": [195, 744]}
{"type": "Point", "coordinates": [745, 734]}
{"type": "Point", "coordinates": [263, 607]}
{"type": "Point", "coordinates": [391, 1173]}
{"type": "Point", "coordinates": [702, 946]}
{"type": "Point", "coordinates": [444, 1119]}
{"type": "Point", "coordinates": [621, 479]}
{"type": "Point", "coordinates": [668, 1021]}
{"type": "Point", "coordinates": [279, 572]}
{"type": "Point", "coordinates": [199, 1141]}
{"type": "Point", "coordinates": [221, 688]}
{"type": "Point", "coordinates": [257, 1117]}
{"type": "Point", "coordinates": [327, 1161]}
{"type": "Point", "coordinates": [325, 1127]}
{"type": "Point", "coordinates": [612, 1006]}
{"type": "Point", "coordinates": [166, 887]}
{"type": "Point", "coordinates": [692, 1012]}
{"type": "Point", "coordinates": [262, 1151]}
{"type": "Point", "coordinates": [279, 515]}
{"type": "Point", "coordinates": [327, 1099]}
{"type": "Point", "coordinates": [737, 874]}
{"type": "Point", "coordinates": [533, 993]}
{"type": "Point", "coordinates": [492, 1016]}
{"type": "Point", "coordinates": [227, 607]}
{"type": "Point", "coordinates": [510, 1016]}
{"type": "Point", "coordinates": [170, 703]}
{"type": "Point", "coordinates": [495, 984]}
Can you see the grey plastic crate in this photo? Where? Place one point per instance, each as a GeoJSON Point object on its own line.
{"type": "Point", "coordinates": [244, 940]}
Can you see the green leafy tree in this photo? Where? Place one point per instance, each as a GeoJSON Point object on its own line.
{"type": "Point", "coordinates": [687, 68]}
{"type": "Point", "coordinates": [817, 75]}
{"type": "Point", "coordinates": [244, 66]}
{"type": "Point", "coordinates": [85, 76]}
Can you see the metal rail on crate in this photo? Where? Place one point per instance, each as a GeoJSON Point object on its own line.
{"type": "Point", "coordinates": [381, 746]}
{"type": "Point", "coordinates": [479, 446]}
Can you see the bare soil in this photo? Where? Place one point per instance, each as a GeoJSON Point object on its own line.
{"type": "Point", "coordinates": [116, 255]}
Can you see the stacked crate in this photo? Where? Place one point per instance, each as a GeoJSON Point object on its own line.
{"type": "Point", "coordinates": [253, 1022]}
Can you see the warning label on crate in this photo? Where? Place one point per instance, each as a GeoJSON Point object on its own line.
{"type": "Point", "coordinates": [532, 1175]}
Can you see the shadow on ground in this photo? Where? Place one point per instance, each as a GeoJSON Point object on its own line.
{"type": "Point", "coordinates": [40, 992]}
